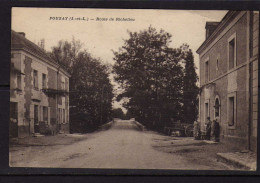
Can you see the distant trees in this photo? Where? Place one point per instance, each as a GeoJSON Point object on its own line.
{"type": "Point", "coordinates": [118, 113]}
{"type": "Point", "coordinates": [152, 75]}
{"type": "Point", "coordinates": [91, 92]}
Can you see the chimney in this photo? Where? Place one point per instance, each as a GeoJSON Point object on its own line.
{"type": "Point", "coordinates": [210, 28]}
{"type": "Point", "coordinates": [22, 34]}
{"type": "Point", "coordinates": [42, 43]}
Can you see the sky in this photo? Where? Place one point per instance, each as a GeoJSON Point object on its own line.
{"type": "Point", "coordinates": [100, 34]}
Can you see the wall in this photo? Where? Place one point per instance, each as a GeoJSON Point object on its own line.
{"type": "Point", "coordinates": [29, 96]}
{"type": "Point", "coordinates": [20, 96]}
{"type": "Point", "coordinates": [226, 82]}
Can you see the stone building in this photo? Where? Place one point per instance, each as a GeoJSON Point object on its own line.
{"type": "Point", "coordinates": [229, 77]}
{"type": "Point", "coordinates": [39, 100]}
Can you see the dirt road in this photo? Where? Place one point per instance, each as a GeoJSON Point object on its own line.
{"type": "Point", "coordinates": [122, 146]}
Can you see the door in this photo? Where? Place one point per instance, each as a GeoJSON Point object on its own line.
{"type": "Point", "coordinates": [13, 122]}
{"type": "Point", "coordinates": [36, 119]}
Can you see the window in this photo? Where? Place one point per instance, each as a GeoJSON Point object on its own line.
{"type": "Point", "coordinates": [64, 116]}
{"type": "Point", "coordinates": [44, 85]}
{"type": "Point", "coordinates": [19, 81]}
{"type": "Point", "coordinates": [45, 113]}
{"type": "Point", "coordinates": [59, 115]}
{"type": "Point", "coordinates": [217, 62]}
{"type": "Point", "coordinates": [206, 111]}
{"type": "Point", "coordinates": [232, 51]}
{"type": "Point", "coordinates": [62, 85]}
{"type": "Point", "coordinates": [217, 108]}
{"type": "Point", "coordinates": [67, 84]}
{"type": "Point", "coordinates": [13, 110]}
{"type": "Point", "coordinates": [35, 79]}
{"type": "Point", "coordinates": [231, 110]}
{"type": "Point", "coordinates": [36, 119]}
{"type": "Point", "coordinates": [207, 71]}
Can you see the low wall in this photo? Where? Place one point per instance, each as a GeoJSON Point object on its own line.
{"type": "Point", "coordinates": [106, 126]}
{"type": "Point", "coordinates": [139, 125]}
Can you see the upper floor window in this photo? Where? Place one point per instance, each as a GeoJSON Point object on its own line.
{"type": "Point", "coordinates": [19, 81]}
{"type": "Point", "coordinates": [35, 79]}
{"type": "Point", "coordinates": [207, 70]}
{"type": "Point", "coordinates": [44, 83]}
{"type": "Point", "coordinates": [217, 62]}
{"type": "Point", "coordinates": [232, 51]}
{"type": "Point", "coordinates": [62, 85]}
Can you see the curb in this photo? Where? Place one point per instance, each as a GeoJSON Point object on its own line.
{"type": "Point", "coordinates": [227, 158]}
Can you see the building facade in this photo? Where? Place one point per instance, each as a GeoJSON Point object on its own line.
{"type": "Point", "coordinates": [39, 100]}
{"type": "Point", "coordinates": [229, 77]}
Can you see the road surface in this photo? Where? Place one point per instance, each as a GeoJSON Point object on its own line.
{"type": "Point", "coordinates": [123, 146]}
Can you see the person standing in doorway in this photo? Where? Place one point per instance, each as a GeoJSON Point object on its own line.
{"type": "Point", "coordinates": [208, 129]}
{"type": "Point", "coordinates": [216, 130]}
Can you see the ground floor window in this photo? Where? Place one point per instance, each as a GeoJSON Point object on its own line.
{"type": "Point", "coordinates": [64, 116]}
{"type": "Point", "coordinates": [45, 113]}
{"type": "Point", "coordinates": [36, 119]}
{"type": "Point", "coordinates": [13, 110]}
{"type": "Point", "coordinates": [206, 111]}
{"type": "Point", "coordinates": [231, 110]}
{"type": "Point", "coordinates": [217, 107]}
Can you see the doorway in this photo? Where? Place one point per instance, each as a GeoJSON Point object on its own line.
{"type": "Point", "coordinates": [13, 120]}
{"type": "Point", "coordinates": [36, 119]}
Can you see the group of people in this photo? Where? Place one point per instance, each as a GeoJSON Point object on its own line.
{"type": "Point", "coordinates": [212, 130]}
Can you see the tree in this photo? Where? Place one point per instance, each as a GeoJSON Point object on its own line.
{"type": "Point", "coordinates": [190, 88]}
{"type": "Point", "coordinates": [152, 76]}
{"type": "Point", "coordinates": [91, 92]}
{"type": "Point", "coordinates": [128, 115]}
{"type": "Point", "coordinates": [118, 113]}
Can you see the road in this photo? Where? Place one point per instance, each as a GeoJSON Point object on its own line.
{"type": "Point", "coordinates": [123, 146]}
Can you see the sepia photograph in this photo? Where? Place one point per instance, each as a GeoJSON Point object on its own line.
{"type": "Point", "coordinates": [134, 89]}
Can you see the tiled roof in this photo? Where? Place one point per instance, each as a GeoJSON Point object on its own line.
{"type": "Point", "coordinates": [20, 42]}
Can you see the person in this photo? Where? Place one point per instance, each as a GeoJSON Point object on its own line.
{"type": "Point", "coordinates": [216, 130]}
{"type": "Point", "coordinates": [196, 130]}
{"type": "Point", "coordinates": [208, 129]}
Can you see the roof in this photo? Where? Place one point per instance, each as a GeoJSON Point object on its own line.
{"type": "Point", "coordinates": [19, 41]}
{"type": "Point", "coordinates": [219, 27]}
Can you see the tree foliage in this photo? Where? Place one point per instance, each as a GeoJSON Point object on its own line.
{"type": "Point", "coordinates": [91, 92]}
{"type": "Point", "coordinates": [152, 75]}
{"type": "Point", "coordinates": [118, 113]}
{"type": "Point", "coordinates": [190, 89]}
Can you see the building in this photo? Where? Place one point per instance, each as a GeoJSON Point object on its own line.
{"type": "Point", "coordinates": [39, 100]}
{"type": "Point", "coordinates": [229, 77]}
